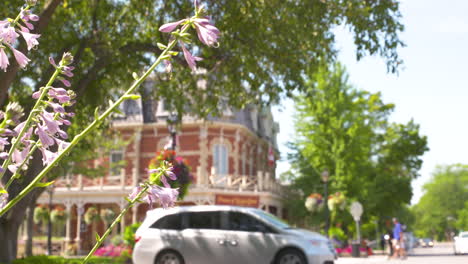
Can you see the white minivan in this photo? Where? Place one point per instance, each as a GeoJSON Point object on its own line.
{"type": "Point", "coordinates": [225, 234]}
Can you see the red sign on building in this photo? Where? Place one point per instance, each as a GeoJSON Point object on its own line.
{"type": "Point", "coordinates": [239, 200]}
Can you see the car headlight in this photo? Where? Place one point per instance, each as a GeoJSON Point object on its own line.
{"type": "Point", "coordinates": [431, 244]}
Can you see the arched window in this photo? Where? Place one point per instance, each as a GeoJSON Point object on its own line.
{"type": "Point", "coordinates": [221, 159]}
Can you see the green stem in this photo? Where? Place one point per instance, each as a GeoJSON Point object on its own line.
{"type": "Point", "coordinates": [117, 220]}
{"type": "Point", "coordinates": [17, 139]}
{"type": "Point", "coordinates": [91, 126]}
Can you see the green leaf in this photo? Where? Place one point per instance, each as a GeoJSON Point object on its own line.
{"type": "Point", "coordinates": [3, 190]}
{"type": "Point", "coordinates": [43, 184]}
{"type": "Point", "coordinates": [96, 113]}
{"type": "Point", "coordinates": [132, 97]}
{"type": "Point", "coordinates": [135, 76]}
{"type": "Point", "coordinates": [161, 46]}
{"type": "Point", "coordinates": [98, 238]}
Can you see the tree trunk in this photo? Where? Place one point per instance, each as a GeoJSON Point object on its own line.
{"type": "Point", "coordinates": [30, 230]}
{"type": "Point", "coordinates": [11, 221]}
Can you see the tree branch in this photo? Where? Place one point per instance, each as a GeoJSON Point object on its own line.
{"type": "Point", "coordinates": [7, 78]}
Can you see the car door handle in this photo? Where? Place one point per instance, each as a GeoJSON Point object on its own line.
{"type": "Point", "coordinates": [233, 243]}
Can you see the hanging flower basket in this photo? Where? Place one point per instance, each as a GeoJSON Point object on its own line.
{"type": "Point", "coordinates": [314, 202]}
{"type": "Point", "coordinates": [108, 215]}
{"type": "Point", "coordinates": [180, 167]}
{"type": "Point", "coordinates": [91, 215]}
{"type": "Point", "coordinates": [58, 216]}
{"type": "Point", "coordinates": [337, 201]}
{"type": "Point", "coordinates": [41, 214]}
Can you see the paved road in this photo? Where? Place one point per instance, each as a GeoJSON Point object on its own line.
{"type": "Point", "coordinates": [441, 253]}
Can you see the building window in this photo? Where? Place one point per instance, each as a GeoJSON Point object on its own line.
{"type": "Point", "coordinates": [116, 162]}
{"type": "Point", "coordinates": [220, 159]}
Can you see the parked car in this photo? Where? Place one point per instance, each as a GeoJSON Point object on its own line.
{"type": "Point", "coordinates": [225, 234]}
{"type": "Point", "coordinates": [460, 245]}
{"type": "Point", "coordinates": [426, 242]}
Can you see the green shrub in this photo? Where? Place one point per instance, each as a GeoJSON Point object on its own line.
{"type": "Point", "coordinates": [116, 240]}
{"type": "Point", "coordinates": [129, 234]}
{"type": "Point", "coordinates": [61, 260]}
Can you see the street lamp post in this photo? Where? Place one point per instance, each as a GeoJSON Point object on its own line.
{"type": "Point", "coordinates": [325, 178]}
{"type": "Point", "coordinates": [172, 127]}
{"type": "Point", "coordinates": [50, 191]}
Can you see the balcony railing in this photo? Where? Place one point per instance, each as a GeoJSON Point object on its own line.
{"type": "Point", "coordinates": [262, 182]}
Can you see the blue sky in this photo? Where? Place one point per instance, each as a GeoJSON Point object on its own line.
{"type": "Point", "coordinates": [431, 88]}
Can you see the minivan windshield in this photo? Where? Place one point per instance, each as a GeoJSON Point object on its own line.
{"type": "Point", "coordinates": [275, 221]}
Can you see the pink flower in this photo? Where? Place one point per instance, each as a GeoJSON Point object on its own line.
{"type": "Point", "coordinates": [167, 174]}
{"type": "Point", "coordinates": [62, 144]}
{"type": "Point", "coordinates": [20, 57]}
{"type": "Point", "coordinates": [134, 193]}
{"type": "Point", "coordinates": [3, 60]}
{"type": "Point", "coordinates": [168, 65]}
{"type": "Point", "coordinates": [169, 27]}
{"type": "Point", "coordinates": [207, 33]}
{"type": "Point", "coordinates": [165, 196]}
{"type": "Point", "coordinates": [48, 156]}
{"type": "Point", "coordinates": [191, 60]}
{"type": "Point", "coordinates": [4, 155]}
{"type": "Point", "coordinates": [26, 15]}
{"type": "Point", "coordinates": [12, 168]}
{"type": "Point", "coordinates": [31, 39]}
{"type": "Point", "coordinates": [19, 156]}
{"type": "Point", "coordinates": [36, 95]}
{"type": "Point", "coordinates": [3, 199]}
{"type": "Point", "coordinates": [65, 82]}
{"type": "Point", "coordinates": [9, 34]}
{"type": "Point", "coordinates": [44, 137]}
{"type": "Point", "coordinates": [170, 175]}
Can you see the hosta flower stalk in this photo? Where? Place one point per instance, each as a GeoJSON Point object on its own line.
{"type": "Point", "coordinates": [36, 182]}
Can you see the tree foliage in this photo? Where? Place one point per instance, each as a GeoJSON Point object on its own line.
{"type": "Point", "coordinates": [266, 47]}
{"type": "Point", "coordinates": [442, 208]}
{"type": "Point", "coordinates": [110, 39]}
{"type": "Point", "coordinates": [347, 131]}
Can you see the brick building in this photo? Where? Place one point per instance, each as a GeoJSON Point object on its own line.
{"type": "Point", "coordinates": [229, 157]}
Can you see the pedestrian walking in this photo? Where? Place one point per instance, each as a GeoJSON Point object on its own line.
{"type": "Point", "coordinates": [398, 240]}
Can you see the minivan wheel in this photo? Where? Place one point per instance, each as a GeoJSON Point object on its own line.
{"type": "Point", "coordinates": [169, 257]}
{"type": "Point", "coordinates": [290, 256]}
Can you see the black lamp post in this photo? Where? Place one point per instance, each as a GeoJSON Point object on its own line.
{"type": "Point", "coordinates": [172, 127]}
{"type": "Point", "coordinates": [325, 176]}
{"type": "Point", "coordinates": [50, 191]}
